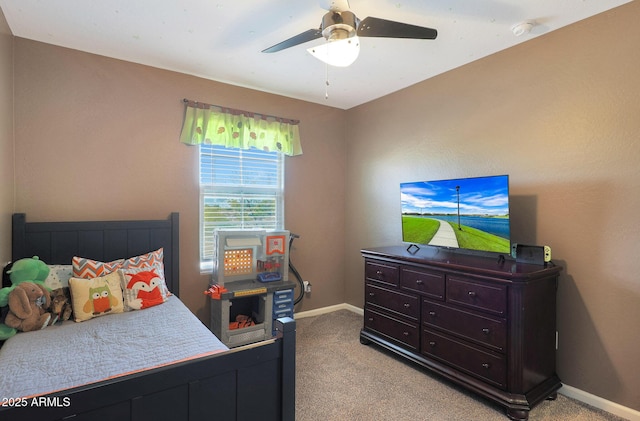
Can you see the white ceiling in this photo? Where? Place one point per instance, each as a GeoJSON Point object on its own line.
{"type": "Point", "coordinates": [222, 40]}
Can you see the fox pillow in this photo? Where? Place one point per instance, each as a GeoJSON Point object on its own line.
{"type": "Point", "coordinates": [144, 287]}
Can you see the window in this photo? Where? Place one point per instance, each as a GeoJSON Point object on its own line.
{"type": "Point", "coordinates": [239, 188]}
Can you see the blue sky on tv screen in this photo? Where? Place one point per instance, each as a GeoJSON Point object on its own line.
{"type": "Point", "coordinates": [478, 196]}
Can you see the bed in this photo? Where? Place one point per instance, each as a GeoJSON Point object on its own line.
{"type": "Point", "coordinates": [255, 381]}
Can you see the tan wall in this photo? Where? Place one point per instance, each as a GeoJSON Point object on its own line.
{"type": "Point", "coordinates": [6, 139]}
{"type": "Point", "coordinates": [560, 115]}
{"type": "Point", "coordinates": [97, 138]}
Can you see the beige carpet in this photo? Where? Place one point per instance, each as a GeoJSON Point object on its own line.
{"type": "Point", "coordinates": [340, 379]}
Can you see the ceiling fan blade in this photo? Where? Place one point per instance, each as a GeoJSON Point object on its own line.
{"type": "Point", "coordinates": [309, 35]}
{"type": "Point", "coordinates": [375, 27]}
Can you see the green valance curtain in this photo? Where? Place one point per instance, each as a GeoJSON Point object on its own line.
{"type": "Point", "coordinates": [215, 125]}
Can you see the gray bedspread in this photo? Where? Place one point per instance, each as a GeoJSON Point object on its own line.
{"type": "Point", "coordinates": [74, 354]}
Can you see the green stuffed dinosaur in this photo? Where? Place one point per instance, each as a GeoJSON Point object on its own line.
{"type": "Point", "coordinates": [23, 270]}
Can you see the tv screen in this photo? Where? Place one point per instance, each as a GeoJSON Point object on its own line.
{"type": "Point", "coordinates": [466, 213]}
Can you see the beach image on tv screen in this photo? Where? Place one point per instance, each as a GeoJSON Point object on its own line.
{"type": "Point", "coordinates": [468, 213]}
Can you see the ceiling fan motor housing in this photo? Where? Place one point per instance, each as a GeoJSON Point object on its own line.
{"type": "Point", "coordinates": [339, 25]}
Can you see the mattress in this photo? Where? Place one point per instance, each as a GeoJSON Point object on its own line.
{"type": "Point", "coordinates": [74, 354]}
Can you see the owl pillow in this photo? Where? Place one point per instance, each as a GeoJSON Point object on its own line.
{"type": "Point", "coordinates": [96, 296]}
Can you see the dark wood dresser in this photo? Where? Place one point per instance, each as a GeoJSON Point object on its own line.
{"type": "Point", "coordinates": [485, 323]}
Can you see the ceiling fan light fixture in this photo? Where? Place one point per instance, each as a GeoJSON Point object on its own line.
{"type": "Point", "coordinates": [340, 52]}
{"type": "Point", "coordinates": [343, 45]}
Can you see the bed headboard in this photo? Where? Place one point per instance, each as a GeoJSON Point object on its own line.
{"type": "Point", "coordinates": [56, 243]}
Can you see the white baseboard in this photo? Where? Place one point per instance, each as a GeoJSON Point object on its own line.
{"type": "Point", "coordinates": [566, 390]}
{"type": "Point", "coordinates": [329, 309]}
{"type": "Point", "coordinates": [600, 403]}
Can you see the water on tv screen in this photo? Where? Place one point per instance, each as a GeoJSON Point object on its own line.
{"type": "Point", "coordinates": [467, 213]}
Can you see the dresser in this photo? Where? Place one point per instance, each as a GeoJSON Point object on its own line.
{"type": "Point", "coordinates": [487, 324]}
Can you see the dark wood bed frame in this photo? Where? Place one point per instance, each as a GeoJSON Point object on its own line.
{"type": "Point", "coordinates": [253, 382]}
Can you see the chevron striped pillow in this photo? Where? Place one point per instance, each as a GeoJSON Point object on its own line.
{"type": "Point", "coordinates": [149, 259]}
{"type": "Point", "coordinates": [89, 268]}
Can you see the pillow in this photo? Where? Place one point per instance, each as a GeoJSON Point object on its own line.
{"type": "Point", "coordinates": [143, 287]}
{"type": "Point", "coordinates": [97, 296]}
{"type": "Point", "coordinates": [88, 268]}
{"type": "Point", "coordinates": [149, 259]}
{"type": "Point", "coordinates": [58, 276]}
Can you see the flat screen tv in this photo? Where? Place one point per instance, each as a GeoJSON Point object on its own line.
{"type": "Point", "coordinates": [466, 213]}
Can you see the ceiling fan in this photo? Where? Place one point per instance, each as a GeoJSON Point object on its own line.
{"type": "Point", "coordinates": [342, 29]}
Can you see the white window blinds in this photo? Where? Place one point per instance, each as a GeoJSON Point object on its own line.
{"type": "Point", "coordinates": [239, 188]}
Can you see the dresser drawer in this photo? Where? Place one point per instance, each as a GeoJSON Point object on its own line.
{"type": "Point", "coordinates": [485, 330]}
{"type": "Point", "coordinates": [477, 295]}
{"type": "Point", "coordinates": [397, 302]}
{"type": "Point", "coordinates": [425, 282]}
{"type": "Point", "coordinates": [382, 272]}
{"type": "Point", "coordinates": [407, 333]}
{"type": "Point", "coordinates": [486, 365]}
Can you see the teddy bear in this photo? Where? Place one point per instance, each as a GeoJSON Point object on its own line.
{"type": "Point", "coordinates": [28, 269]}
{"type": "Point", "coordinates": [61, 303]}
{"type": "Point", "coordinates": [27, 307]}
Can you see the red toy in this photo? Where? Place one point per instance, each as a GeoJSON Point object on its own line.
{"type": "Point", "coordinates": [215, 291]}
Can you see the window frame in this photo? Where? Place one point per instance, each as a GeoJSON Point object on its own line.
{"type": "Point", "coordinates": [255, 169]}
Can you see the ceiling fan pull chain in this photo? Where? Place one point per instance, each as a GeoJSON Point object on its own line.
{"type": "Point", "coordinates": [326, 82]}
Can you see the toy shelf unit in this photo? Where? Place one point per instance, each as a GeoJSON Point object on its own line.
{"type": "Point", "coordinates": [249, 284]}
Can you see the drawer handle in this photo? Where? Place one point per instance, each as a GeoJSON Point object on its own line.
{"type": "Point", "coordinates": [486, 365]}
{"type": "Point", "coordinates": [432, 313]}
{"type": "Point", "coordinates": [419, 282]}
{"type": "Point", "coordinates": [432, 343]}
{"type": "Point", "coordinates": [407, 305]}
{"type": "Point", "coordinates": [372, 294]}
{"type": "Point", "coordinates": [472, 293]}
{"type": "Point", "coordinates": [485, 330]}
{"type": "Point", "coordinates": [405, 333]}
{"type": "Point", "coordinates": [379, 273]}
{"type": "Point", "coordinates": [370, 319]}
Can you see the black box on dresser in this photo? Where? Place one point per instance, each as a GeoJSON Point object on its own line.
{"type": "Point", "coordinates": [485, 323]}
